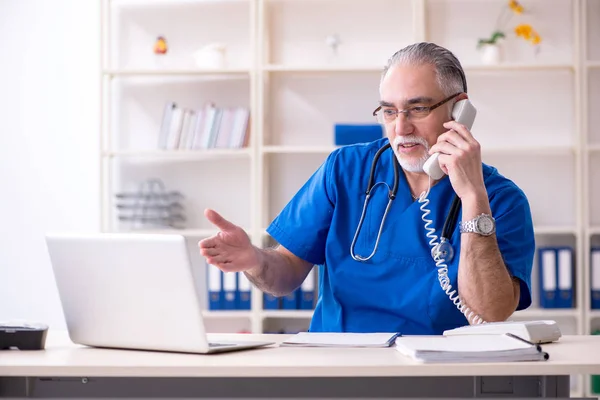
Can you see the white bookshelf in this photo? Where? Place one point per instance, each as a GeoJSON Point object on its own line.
{"type": "Point", "coordinates": [537, 122]}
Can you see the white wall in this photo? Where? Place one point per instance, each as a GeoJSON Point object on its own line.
{"type": "Point", "coordinates": [49, 113]}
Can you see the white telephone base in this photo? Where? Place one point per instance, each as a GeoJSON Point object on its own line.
{"type": "Point", "coordinates": [544, 331]}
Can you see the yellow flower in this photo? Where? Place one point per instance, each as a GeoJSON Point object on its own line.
{"type": "Point", "coordinates": [527, 33]}
{"type": "Point", "coordinates": [524, 30]}
{"type": "Point", "coordinates": [515, 6]}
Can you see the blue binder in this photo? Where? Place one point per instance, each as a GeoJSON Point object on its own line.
{"type": "Point", "coordinates": [215, 299]}
{"type": "Point", "coordinates": [595, 277]}
{"type": "Point", "coordinates": [229, 290]}
{"type": "Point", "coordinates": [244, 292]}
{"type": "Point", "coordinates": [290, 301]}
{"type": "Point", "coordinates": [270, 302]}
{"type": "Point", "coordinates": [307, 292]}
{"type": "Point", "coordinates": [564, 296]}
{"type": "Point", "coordinates": [357, 133]}
{"type": "Point", "coordinates": [547, 268]}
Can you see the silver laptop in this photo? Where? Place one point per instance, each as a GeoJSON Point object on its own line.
{"type": "Point", "coordinates": [131, 291]}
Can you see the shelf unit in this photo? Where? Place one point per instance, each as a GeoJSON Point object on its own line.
{"type": "Point", "coordinates": [535, 116]}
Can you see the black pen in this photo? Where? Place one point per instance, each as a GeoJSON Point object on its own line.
{"type": "Point", "coordinates": [537, 346]}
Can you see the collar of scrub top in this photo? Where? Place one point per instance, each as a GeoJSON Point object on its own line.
{"type": "Point", "coordinates": [442, 250]}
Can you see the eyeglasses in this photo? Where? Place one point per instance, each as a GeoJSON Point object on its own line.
{"type": "Point", "coordinates": [388, 115]}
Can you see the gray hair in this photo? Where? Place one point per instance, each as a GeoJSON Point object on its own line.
{"type": "Point", "coordinates": [450, 74]}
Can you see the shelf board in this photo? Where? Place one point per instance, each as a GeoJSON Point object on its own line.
{"type": "Point", "coordinates": [593, 64]}
{"type": "Point", "coordinates": [593, 230]}
{"type": "Point", "coordinates": [524, 150]}
{"type": "Point", "coordinates": [169, 3]}
{"type": "Point", "coordinates": [321, 68]}
{"type": "Point", "coordinates": [183, 232]}
{"type": "Point", "coordinates": [379, 68]}
{"type": "Point", "coordinates": [298, 149]}
{"type": "Point", "coordinates": [593, 148]}
{"type": "Point", "coordinates": [555, 230]}
{"type": "Point", "coordinates": [528, 150]}
{"type": "Point", "coordinates": [547, 313]}
{"type": "Point", "coordinates": [300, 314]}
{"type": "Point", "coordinates": [518, 67]}
{"type": "Point", "coordinates": [594, 313]}
{"type": "Point", "coordinates": [179, 154]}
{"type": "Point", "coordinates": [227, 314]}
{"type": "Point", "coordinates": [175, 72]}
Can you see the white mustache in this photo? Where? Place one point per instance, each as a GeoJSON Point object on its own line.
{"type": "Point", "coordinates": [401, 140]}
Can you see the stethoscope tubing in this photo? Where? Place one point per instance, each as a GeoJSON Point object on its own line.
{"type": "Point", "coordinates": [449, 223]}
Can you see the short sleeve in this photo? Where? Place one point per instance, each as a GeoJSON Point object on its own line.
{"type": "Point", "coordinates": [303, 224]}
{"type": "Point", "coordinates": [515, 236]}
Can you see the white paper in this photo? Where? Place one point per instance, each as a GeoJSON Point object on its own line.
{"type": "Point", "coordinates": [345, 339]}
{"type": "Point", "coordinates": [488, 348]}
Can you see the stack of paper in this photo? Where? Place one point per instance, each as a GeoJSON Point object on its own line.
{"type": "Point", "coordinates": [470, 348]}
{"type": "Point", "coordinates": [327, 339]}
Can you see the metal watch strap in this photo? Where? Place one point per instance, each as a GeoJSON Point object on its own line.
{"type": "Point", "coordinates": [472, 225]}
{"type": "Point", "coordinates": [468, 226]}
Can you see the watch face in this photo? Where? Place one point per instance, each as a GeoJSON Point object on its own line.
{"type": "Point", "coordinates": [485, 224]}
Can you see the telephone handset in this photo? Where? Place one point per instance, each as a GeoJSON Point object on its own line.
{"type": "Point", "coordinates": [463, 112]}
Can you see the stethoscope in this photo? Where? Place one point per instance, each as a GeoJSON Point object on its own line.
{"type": "Point", "coordinates": [443, 250]}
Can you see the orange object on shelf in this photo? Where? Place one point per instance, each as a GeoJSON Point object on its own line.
{"type": "Point", "coordinates": [160, 46]}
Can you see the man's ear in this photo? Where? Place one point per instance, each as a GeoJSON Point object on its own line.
{"type": "Point", "coordinates": [462, 96]}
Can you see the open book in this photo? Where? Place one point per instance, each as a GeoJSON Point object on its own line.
{"type": "Point", "coordinates": [470, 348]}
{"type": "Point", "coordinates": [327, 339]}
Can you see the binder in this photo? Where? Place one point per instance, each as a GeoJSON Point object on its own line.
{"type": "Point", "coordinates": [243, 292]}
{"type": "Point", "coordinates": [547, 267]}
{"type": "Point", "coordinates": [595, 277]}
{"type": "Point", "coordinates": [564, 296]}
{"type": "Point", "coordinates": [290, 301]}
{"type": "Point", "coordinates": [229, 289]}
{"type": "Point", "coordinates": [307, 292]}
{"type": "Point", "coordinates": [270, 302]}
{"type": "Point", "coordinates": [356, 133]}
{"type": "Point", "coordinates": [215, 301]}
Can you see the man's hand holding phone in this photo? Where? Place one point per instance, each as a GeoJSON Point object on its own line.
{"type": "Point", "coordinates": [460, 159]}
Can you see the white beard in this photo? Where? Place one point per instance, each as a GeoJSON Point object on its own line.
{"type": "Point", "coordinates": [411, 164]}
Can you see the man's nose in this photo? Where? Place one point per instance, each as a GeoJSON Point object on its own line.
{"type": "Point", "coordinates": [403, 126]}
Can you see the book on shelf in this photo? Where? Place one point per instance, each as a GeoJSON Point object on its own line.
{"type": "Point", "coordinates": [209, 127]}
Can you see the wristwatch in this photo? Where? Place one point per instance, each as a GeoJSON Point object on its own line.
{"type": "Point", "coordinates": [483, 224]}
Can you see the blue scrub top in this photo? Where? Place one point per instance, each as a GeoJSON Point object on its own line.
{"type": "Point", "coordinates": [397, 290]}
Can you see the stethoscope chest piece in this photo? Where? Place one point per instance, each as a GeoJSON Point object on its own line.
{"type": "Point", "coordinates": [443, 251]}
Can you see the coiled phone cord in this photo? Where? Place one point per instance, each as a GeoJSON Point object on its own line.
{"type": "Point", "coordinates": [443, 278]}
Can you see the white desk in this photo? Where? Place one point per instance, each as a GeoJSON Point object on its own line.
{"type": "Point", "coordinates": [67, 370]}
